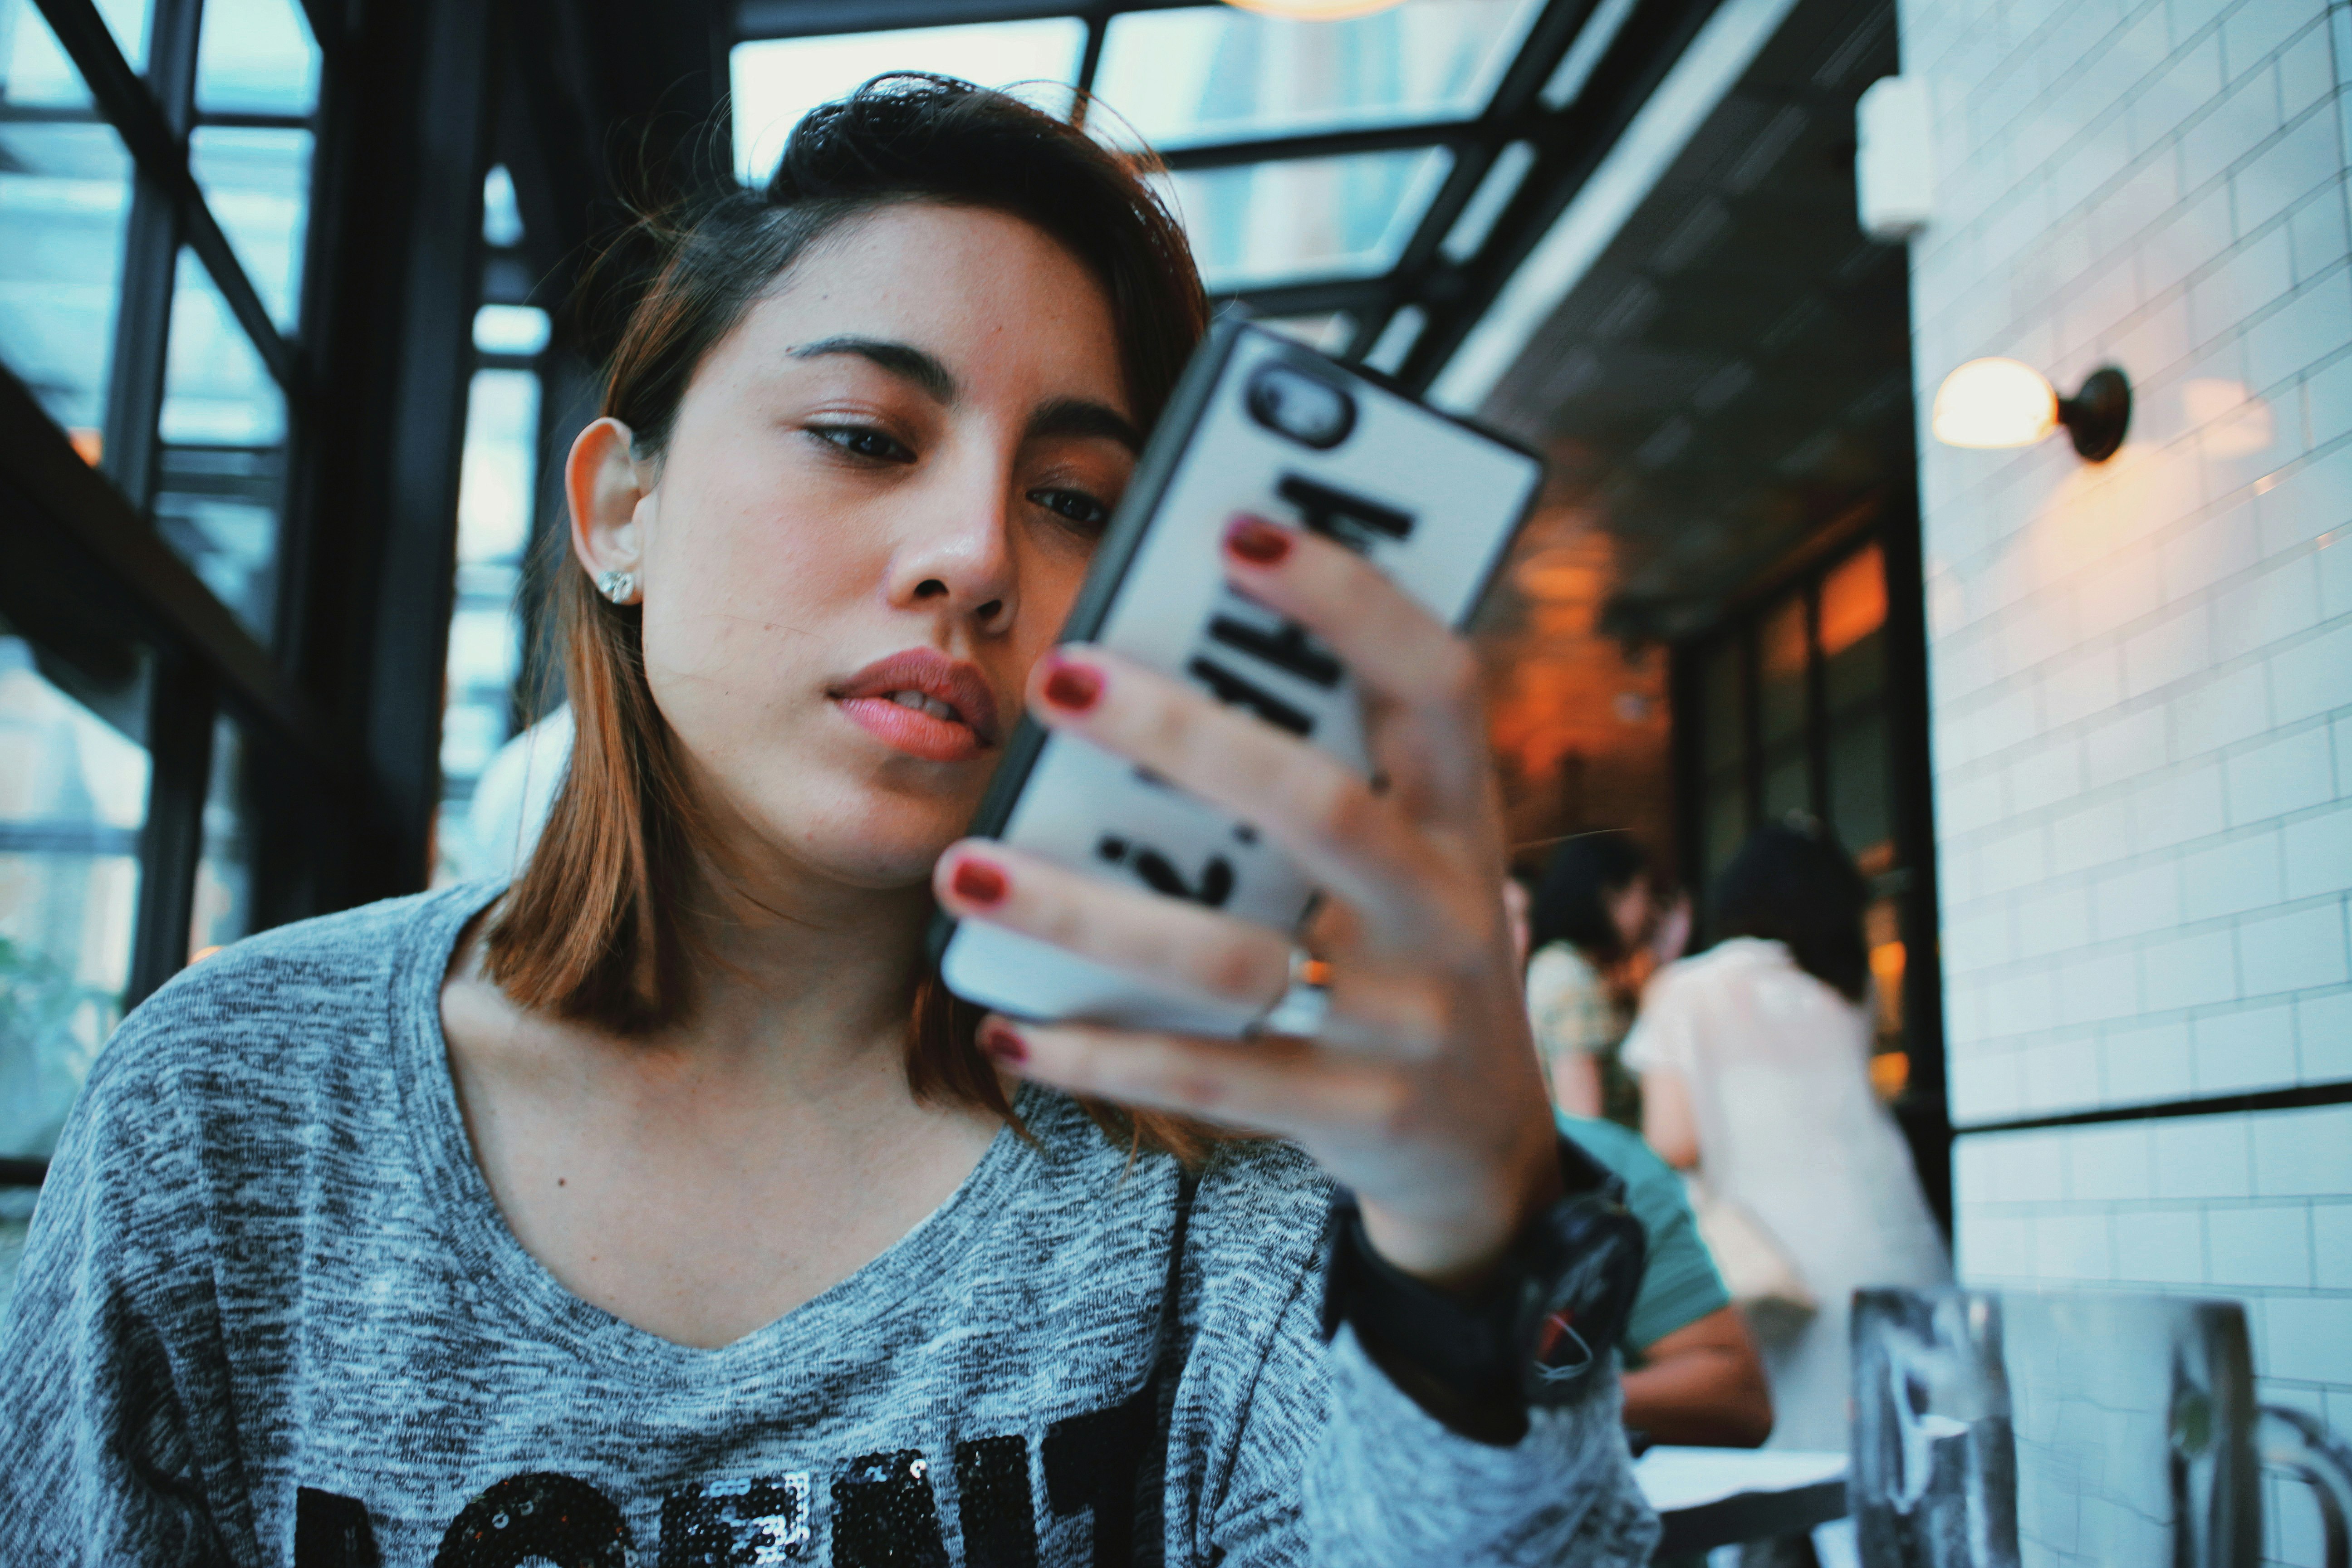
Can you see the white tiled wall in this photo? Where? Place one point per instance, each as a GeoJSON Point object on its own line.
{"type": "Point", "coordinates": [2141, 672]}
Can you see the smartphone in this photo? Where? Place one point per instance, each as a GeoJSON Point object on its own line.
{"type": "Point", "coordinates": [1257, 424]}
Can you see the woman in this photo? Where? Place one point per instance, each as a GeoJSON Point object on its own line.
{"type": "Point", "coordinates": [1754, 1059]}
{"type": "Point", "coordinates": [660, 1208]}
{"type": "Point", "coordinates": [1591, 916]}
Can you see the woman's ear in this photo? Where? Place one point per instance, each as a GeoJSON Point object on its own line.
{"type": "Point", "coordinates": [611, 501]}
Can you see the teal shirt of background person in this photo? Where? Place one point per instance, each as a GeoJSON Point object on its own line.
{"type": "Point", "coordinates": [1680, 1284]}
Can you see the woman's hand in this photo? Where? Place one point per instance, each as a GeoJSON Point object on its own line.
{"type": "Point", "coordinates": [1422, 1092]}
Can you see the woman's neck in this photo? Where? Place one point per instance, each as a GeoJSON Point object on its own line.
{"type": "Point", "coordinates": [796, 968]}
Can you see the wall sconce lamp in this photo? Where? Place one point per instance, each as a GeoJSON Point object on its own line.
{"type": "Point", "coordinates": [2002, 402]}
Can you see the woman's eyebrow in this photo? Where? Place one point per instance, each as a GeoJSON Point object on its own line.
{"type": "Point", "coordinates": [902, 360]}
{"type": "Point", "coordinates": [1069, 417]}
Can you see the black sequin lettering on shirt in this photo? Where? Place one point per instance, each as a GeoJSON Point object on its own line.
{"type": "Point", "coordinates": [882, 1514]}
{"type": "Point", "coordinates": [333, 1532]}
{"type": "Point", "coordinates": [736, 1524]}
{"type": "Point", "coordinates": [559, 1518]}
{"type": "Point", "coordinates": [1094, 1461]}
{"type": "Point", "coordinates": [993, 1499]}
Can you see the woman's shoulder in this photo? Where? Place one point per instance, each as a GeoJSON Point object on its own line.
{"type": "Point", "coordinates": [1734, 955]}
{"type": "Point", "coordinates": [1258, 1204]}
{"type": "Point", "coordinates": [1559, 966]}
{"type": "Point", "coordinates": [325, 983]}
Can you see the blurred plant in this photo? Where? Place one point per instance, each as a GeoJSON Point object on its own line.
{"type": "Point", "coordinates": [44, 1055]}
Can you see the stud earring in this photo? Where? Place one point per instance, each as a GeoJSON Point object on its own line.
{"type": "Point", "coordinates": [617, 587]}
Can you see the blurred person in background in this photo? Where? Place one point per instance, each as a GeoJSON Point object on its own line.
{"type": "Point", "coordinates": [1754, 1064]}
{"type": "Point", "coordinates": [1598, 932]}
{"type": "Point", "coordinates": [1692, 1374]}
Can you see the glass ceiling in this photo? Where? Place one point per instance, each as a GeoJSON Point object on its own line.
{"type": "Point", "coordinates": [1307, 224]}
{"type": "Point", "coordinates": [1263, 224]}
{"type": "Point", "coordinates": [1210, 73]}
{"type": "Point", "coordinates": [777, 80]}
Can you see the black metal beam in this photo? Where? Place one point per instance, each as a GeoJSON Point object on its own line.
{"type": "Point", "coordinates": [180, 751]}
{"type": "Point", "coordinates": [151, 257]}
{"type": "Point", "coordinates": [1316, 296]}
{"type": "Point", "coordinates": [1322, 144]}
{"type": "Point", "coordinates": [163, 156]}
{"type": "Point", "coordinates": [1570, 146]}
{"type": "Point", "coordinates": [58, 515]}
{"type": "Point", "coordinates": [400, 190]}
{"type": "Point", "coordinates": [757, 20]}
{"type": "Point", "coordinates": [328, 23]}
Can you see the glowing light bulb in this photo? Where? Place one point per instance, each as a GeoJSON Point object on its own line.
{"type": "Point", "coordinates": [1994, 403]}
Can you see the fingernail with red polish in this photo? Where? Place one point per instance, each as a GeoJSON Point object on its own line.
{"type": "Point", "coordinates": [1072, 688]}
{"type": "Point", "coordinates": [977, 881]}
{"type": "Point", "coordinates": [1258, 543]}
{"type": "Point", "coordinates": [1001, 1046]}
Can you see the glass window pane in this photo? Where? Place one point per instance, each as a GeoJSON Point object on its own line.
{"type": "Point", "coordinates": [1726, 823]}
{"type": "Point", "coordinates": [1327, 334]}
{"type": "Point", "coordinates": [258, 183]}
{"type": "Point", "coordinates": [1859, 808]}
{"type": "Point", "coordinates": [1882, 925]}
{"type": "Point", "coordinates": [1261, 224]}
{"type": "Point", "coordinates": [34, 67]}
{"type": "Point", "coordinates": [521, 330]}
{"type": "Point", "coordinates": [1212, 73]}
{"type": "Point", "coordinates": [65, 202]}
{"type": "Point", "coordinates": [1782, 643]}
{"type": "Point", "coordinates": [223, 904]}
{"type": "Point", "coordinates": [777, 80]}
{"type": "Point", "coordinates": [72, 802]}
{"type": "Point", "coordinates": [222, 472]}
{"type": "Point", "coordinates": [1788, 784]}
{"type": "Point", "coordinates": [1853, 621]}
{"type": "Point", "coordinates": [257, 57]}
{"type": "Point", "coordinates": [496, 499]}
{"type": "Point", "coordinates": [1725, 704]}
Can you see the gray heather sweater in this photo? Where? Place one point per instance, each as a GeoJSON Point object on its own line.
{"type": "Point", "coordinates": [269, 1313]}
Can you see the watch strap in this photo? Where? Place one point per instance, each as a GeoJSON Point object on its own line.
{"type": "Point", "coordinates": [1536, 1334]}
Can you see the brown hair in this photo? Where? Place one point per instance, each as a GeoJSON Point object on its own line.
{"type": "Point", "coordinates": [591, 930]}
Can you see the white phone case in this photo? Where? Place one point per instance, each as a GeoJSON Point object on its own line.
{"type": "Point", "coordinates": [1431, 500]}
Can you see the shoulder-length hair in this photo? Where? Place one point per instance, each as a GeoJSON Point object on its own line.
{"type": "Point", "coordinates": [1792, 882]}
{"type": "Point", "coordinates": [593, 928]}
{"type": "Point", "coordinates": [1572, 905]}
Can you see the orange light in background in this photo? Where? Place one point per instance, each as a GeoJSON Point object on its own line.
{"type": "Point", "coordinates": [87, 444]}
{"type": "Point", "coordinates": [1890, 1073]}
{"type": "Point", "coordinates": [204, 952]}
{"type": "Point", "coordinates": [1854, 602]}
{"type": "Point", "coordinates": [1886, 968]}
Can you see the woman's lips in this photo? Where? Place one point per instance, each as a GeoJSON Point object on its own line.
{"type": "Point", "coordinates": [924, 703]}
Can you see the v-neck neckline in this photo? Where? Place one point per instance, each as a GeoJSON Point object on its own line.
{"type": "Point", "coordinates": [498, 1275]}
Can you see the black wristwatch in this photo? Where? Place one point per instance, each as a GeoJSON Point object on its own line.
{"type": "Point", "coordinates": [1538, 1335]}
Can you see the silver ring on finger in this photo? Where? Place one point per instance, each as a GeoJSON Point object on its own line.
{"type": "Point", "coordinates": [1305, 1002]}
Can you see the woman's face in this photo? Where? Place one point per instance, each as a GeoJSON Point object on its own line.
{"type": "Point", "coordinates": [878, 500]}
{"type": "Point", "coordinates": [1629, 909]}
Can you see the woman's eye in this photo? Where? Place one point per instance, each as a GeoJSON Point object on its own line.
{"type": "Point", "coordinates": [863, 441]}
{"type": "Point", "coordinates": [1075, 506]}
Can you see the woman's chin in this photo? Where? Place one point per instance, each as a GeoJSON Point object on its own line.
{"type": "Point", "coordinates": [880, 845]}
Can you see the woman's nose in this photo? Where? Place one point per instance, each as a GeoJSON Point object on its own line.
{"type": "Point", "coordinates": [959, 558]}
